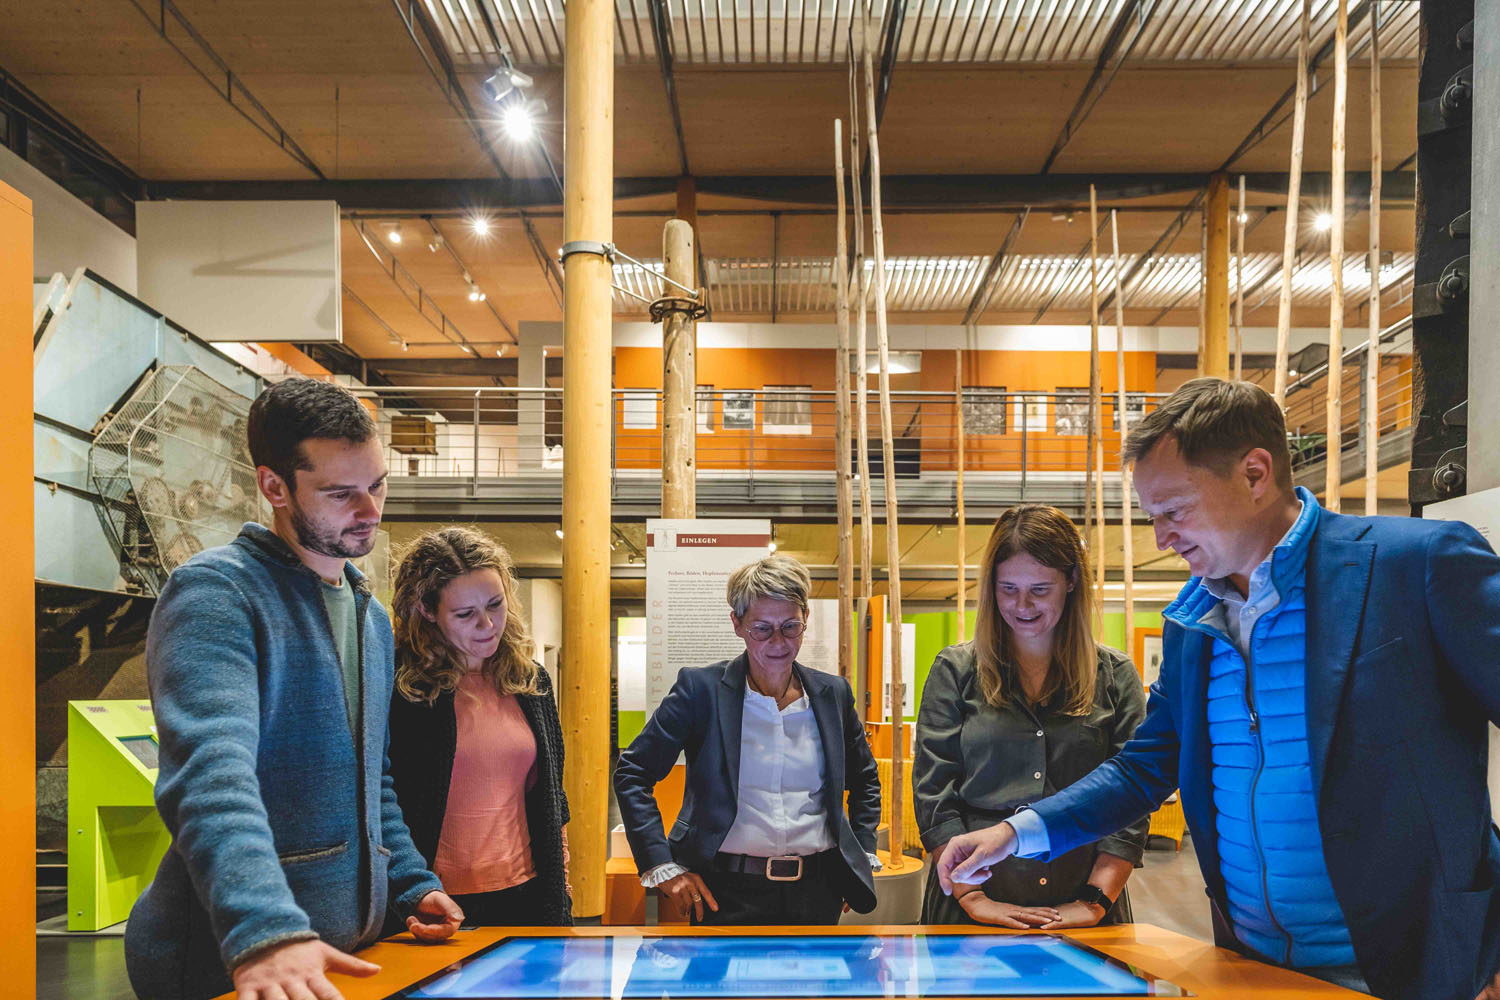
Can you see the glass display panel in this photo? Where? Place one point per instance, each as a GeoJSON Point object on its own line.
{"type": "Point", "coordinates": [144, 749]}
{"type": "Point", "coordinates": [792, 966]}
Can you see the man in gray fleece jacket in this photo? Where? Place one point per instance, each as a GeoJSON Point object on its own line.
{"type": "Point", "coordinates": [270, 666]}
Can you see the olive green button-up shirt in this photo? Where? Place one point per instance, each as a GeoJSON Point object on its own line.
{"type": "Point", "coordinates": [975, 764]}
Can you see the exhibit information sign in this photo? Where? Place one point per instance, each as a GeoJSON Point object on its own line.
{"type": "Point", "coordinates": [820, 643]}
{"type": "Point", "coordinates": [792, 966]}
{"type": "Point", "coordinates": [688, 564]}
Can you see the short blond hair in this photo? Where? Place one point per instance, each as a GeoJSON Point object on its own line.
{"type": "Point", "coordinates": [779, 578]}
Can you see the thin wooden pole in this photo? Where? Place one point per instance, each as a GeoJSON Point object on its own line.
{"type": "Point", "coordinates": [861, 400]}
{"type": "Point", "coordinates": [1126, 521]}
{"type": "Point", "coordinates": [1096, 404]}
{"type": "Point", "coordinates": [679, 383]}
{"type": "Point", "coordinates": [1203, 292]}
{"type": "Point", "coordinates": [1216, 279]}
{"type": "Point", "coordinates": [1239, 286]}
{"type": "Point", "coordinates": [1334, 481]}
{"type": "Point", "coordinates": [1293, 204]}
{"type": "Point", "coordinates": [958, 408]}
{"type": "Point", "coordinates": [841, 421]}
{"type": "Point", "coordinates": [588, 201]}
{"type": "Point", "coordinates": [888, 452]}
{"type": "Point", "coordinates": [1372, 355]}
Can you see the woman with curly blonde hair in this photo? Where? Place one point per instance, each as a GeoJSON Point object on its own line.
{"type": "Point", "coordinates": [476, 747]}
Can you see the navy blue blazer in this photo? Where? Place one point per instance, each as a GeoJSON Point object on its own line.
{"type": "Point", "coordinates": [702, 716]}
{"type": "Point", "coordinates": [1403, 678]}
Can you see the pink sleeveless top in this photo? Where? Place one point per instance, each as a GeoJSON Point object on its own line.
{"type": "Point", "coordinates": [486, 844]}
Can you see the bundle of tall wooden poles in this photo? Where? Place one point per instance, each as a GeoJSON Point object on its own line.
{"type": "Point", "coordinates": [859, 286]}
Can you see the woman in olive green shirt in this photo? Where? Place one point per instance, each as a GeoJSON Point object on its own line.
{"type": "Point", "coordinates": [1028, 707]}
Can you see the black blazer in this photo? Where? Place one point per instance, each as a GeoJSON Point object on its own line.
{"type": "Point", "coordinates": [702, 715]}
{"type": "Point", "coordinates": [424, 739]}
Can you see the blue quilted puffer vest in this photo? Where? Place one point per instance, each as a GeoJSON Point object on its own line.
{"type": "Point", "coordinates": [1281, 901]}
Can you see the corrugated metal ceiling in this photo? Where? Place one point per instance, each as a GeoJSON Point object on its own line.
{"type": "Point", "coordinates": [941, 31]}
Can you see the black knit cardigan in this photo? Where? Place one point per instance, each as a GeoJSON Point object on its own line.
{"type": "Point", "coordinates": [424, 739]}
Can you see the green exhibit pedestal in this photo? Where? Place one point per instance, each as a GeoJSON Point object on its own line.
{"type": "Point", "coordinates": [115, 837]}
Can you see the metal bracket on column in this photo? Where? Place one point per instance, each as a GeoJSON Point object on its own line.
{"type": "Point", "coordinates": [605, 250]}
{"type": "Point", "coordinates": [1451, 109]}
{"type": "Point", "coordinates": [1450, 293]}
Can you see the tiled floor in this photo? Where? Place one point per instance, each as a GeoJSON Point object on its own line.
{"type": "Point", "coordinates": [1168, 892]}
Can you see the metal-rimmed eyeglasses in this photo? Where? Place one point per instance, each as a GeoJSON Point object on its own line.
{"type": "Point", "coordinates": [761, 631]}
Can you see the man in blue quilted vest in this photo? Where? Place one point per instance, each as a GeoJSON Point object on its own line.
{"type": "Point", "coordinates": [1326, 690]}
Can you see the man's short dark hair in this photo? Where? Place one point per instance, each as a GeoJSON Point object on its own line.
{"type": "Point", "coordinates": [296, 409]}
{"type": "Point", "coordinates": [1216, 423]}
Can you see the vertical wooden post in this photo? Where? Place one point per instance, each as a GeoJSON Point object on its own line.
{"type": "Point", "coordinates": [1293, 203]}
{"type": "Point", "coordinates": [1334, 481]}
{"type": "Point", "coordinates": [958, 416]}
{"type": "Point", "coordinates": [1096, 404]}
{"type": "Point", "coordinates": [1203, 292]}
{"type": "Point", "coordinates": [1127, 538]}
{"type": "Point", "coordinates": [18, 609]}
{"type": "Point", "coordinates": [1372, 353]}
{"type": "Point", "coordinates": [588, 99]}
{"type": "Point", "coordinates": [888, 454]}
{"type": "Point", "coordinates": [841, 421]}
{"type": "Point", "coordinates": [1216, 280]}
{"type": "Point", "coordinates": [860, 281]}
{"type": "Point", "coordinates": [1239, 286]}
{"type": "Point", "coordinates": [679, 381]}
{"type": "Point", "coordinates": [687, 202]}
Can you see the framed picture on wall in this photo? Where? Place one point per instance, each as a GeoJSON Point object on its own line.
{"type": "Point", "coordinates": [1148, 654]}
{"type": "Point", "coordinates": [739, 411]}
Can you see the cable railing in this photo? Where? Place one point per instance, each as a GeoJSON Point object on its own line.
{"type": "Point", "coordinates": [486, 435]}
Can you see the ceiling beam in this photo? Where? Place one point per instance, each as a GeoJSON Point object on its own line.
{"type": "Point", "coordinates": [947, 191]}
{"type": "Point", "coordinates": [888, 52]}
{"type": "Point", "coordinates": [224, 81]}
{"type": "Point", "coordinates": [1111, 57]}
{"type": "Point", "coordinates": [415, 19]}
{"type": "Point", "coordinates": [661, 34]}
{"type": "Point", "coordinates": [981, 300]}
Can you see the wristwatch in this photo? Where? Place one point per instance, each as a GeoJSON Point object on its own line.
{"type": "Point", "coordinates": [1094, 895]}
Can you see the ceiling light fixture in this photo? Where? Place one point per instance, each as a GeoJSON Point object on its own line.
{"type": "Point", "coordinates": [393, 233]}
{"type": "Point", "coordinates": [558, 532]}
{"type": "Point", "coordinates": [516, 120]}
{"type": "Point", "coordinates": [506, 80]}
{"type": "Point", "coordinates": [480, 225]}
{"type": "Point", "coordinates": [436, 243]}
{"type": "Point", "coordinates": [1243, 217]}
{"type": "Point", "coordinates": [1323, 222]}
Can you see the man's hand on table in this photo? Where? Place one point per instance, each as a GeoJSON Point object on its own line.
{"type": "Point", "coordinates": [295, 971]}
{"type": "Point", "coordinates": [689, 892]}
{"type": "Point", "coordinates": [968, 856]}
{"type": "Point", "coordinates": [437, 917]}
{"type": "Point", "coordinates": [1080, 914]}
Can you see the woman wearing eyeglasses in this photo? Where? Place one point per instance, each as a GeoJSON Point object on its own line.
{"type": "Point", "coordinates": [772, 747]}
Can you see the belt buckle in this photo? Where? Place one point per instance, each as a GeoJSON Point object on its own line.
{"type": "Point", "coordinates": [791, 860]}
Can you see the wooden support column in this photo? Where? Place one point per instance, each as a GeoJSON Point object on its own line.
{"type": "Point", "coordinates": [841, 447]}
{"type": "Point", "coordinates": [1096, 405]}
{"type": "Point", "coordinates": [1293, 203]}
{"type": "Point", "coordinates": [687, 201]}
{"type": "Point", "coordinates": [888, 454]}
{"type": "Point", "coordinates": [1127, 539]}
{"type": "Point", "coordinates": [958, 417]}
{"type": "Point", "coordinates": [588, 413]}
{"type": "Point", "coordinates": [1334, 480]}
{"type": "Point", "coordinates": [1372, 353]}
{"type": "Point", "coordinates": [1216, 290]}
{"type": "Point", "coordinates": [679, 379]}
{"type": "Point", "coordinates": [1240, 218]}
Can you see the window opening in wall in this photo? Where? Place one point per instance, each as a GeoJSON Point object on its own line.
{"type": "Point", "coordinates": [705, 409]}
{"type": "Point", "coordinates": [638, 409]}
{"type": "Point", "coordinates": [1072, 417]}
{"type": "Point", "coordinates": [788, 409]}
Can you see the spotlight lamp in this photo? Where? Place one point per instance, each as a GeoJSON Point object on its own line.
{"type": "Point", "coordinates": [480, 225]}
{"type": "Point", "coordinates": [506, 80]}
{"type": "Point", "coordinates": [1323, 222]}
{"type": "Point", "coordinates": [393, 234]}
{"type": "Point", "coordinates": [436, 243]}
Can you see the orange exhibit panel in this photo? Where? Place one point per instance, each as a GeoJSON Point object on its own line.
{"type": "Point", "coordinates": [17, 598]}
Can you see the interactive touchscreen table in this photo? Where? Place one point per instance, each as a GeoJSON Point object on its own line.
{"type": "Point", "coordinates": [803, 965]}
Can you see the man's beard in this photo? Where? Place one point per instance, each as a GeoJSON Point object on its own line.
{"type": "Point", "coordinates": [315, 538]}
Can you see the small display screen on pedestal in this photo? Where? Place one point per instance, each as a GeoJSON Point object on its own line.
{"type": "Point", "coordinates": [793, 966]}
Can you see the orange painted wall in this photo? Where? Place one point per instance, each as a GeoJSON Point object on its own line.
{"type": "Point", "coordinates": [288, 355]}
{"type": "Point", "coordinates": [931, 421]}
{"type": "Point", "coordinates": [17, 601]}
